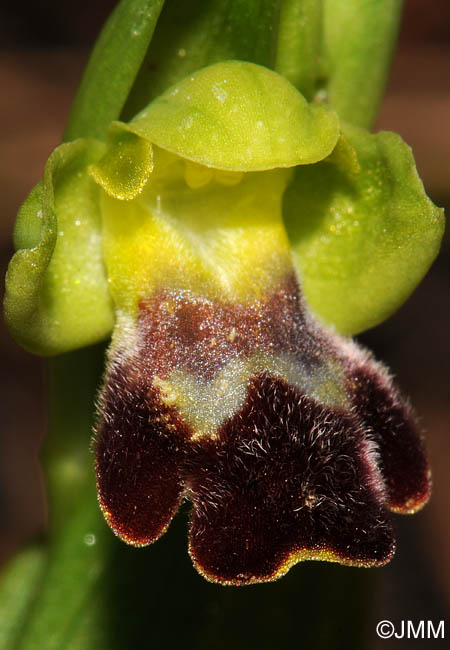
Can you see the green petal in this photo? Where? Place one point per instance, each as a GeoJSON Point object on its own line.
{"type": "Point", "coordinates": [344, 155]}
{"type": "Point", "coordinates": [57, 295]}
{"type": "Point", "coordinates": [362, 241]}
{"type": "Point", "coordinates": [239, 116]}
{"type": "Point", "coordinates": [127, 164]}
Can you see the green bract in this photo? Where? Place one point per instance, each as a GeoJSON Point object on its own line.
{"type": "Point", "coordinates": [362, 230]}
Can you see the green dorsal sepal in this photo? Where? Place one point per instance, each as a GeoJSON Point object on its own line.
{"type": "Point", "coordinates": [234, 116]}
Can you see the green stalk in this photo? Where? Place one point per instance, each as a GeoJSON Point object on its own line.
{"type": "Point", "coordinates": [18, 592]}
{"type": "Point", "coordinates": [77, 549]}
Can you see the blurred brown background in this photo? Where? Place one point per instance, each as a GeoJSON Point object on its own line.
{"type": "Point", "coordinates": [43, 48]}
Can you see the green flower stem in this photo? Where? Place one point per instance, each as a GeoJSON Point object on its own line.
{"type": "Point", "coordinates": [48, 591]}
{"type": "Point", "coordinates": [73, 381]}
{"type": "Point", "coordinates": [18, 593]}
{"type": "Point", "coordinates": [112, 68]}
{"type": "Point", "coordinates": [359, 41]}
{"type": "Point", "coordinates": [60, 581]}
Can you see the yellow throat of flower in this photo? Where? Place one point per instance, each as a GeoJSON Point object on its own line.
{"type": "Point", "coordinates": [216, 233]}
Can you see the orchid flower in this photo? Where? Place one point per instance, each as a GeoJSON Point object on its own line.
{"type": "Point", "coordinates": [230, 236]}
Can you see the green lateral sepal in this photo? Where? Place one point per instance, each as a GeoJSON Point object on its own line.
{"type": "Point", "coordinates": [362, 240]}
{"type": "Point", "coordinates": [57, 296]}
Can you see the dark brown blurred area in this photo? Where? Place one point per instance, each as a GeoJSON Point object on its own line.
{"type": "Point", "coordinates": [43, 48]}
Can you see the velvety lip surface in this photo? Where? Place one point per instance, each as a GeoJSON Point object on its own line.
{"type": "Point", "coordinates": [403, 461]}
{"type": "Point", "coordinates": [286, 476]}
{"type": "Point", "coordinates": [285, 479]}
{"type": "Point", "coordinates": [179, 330]}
